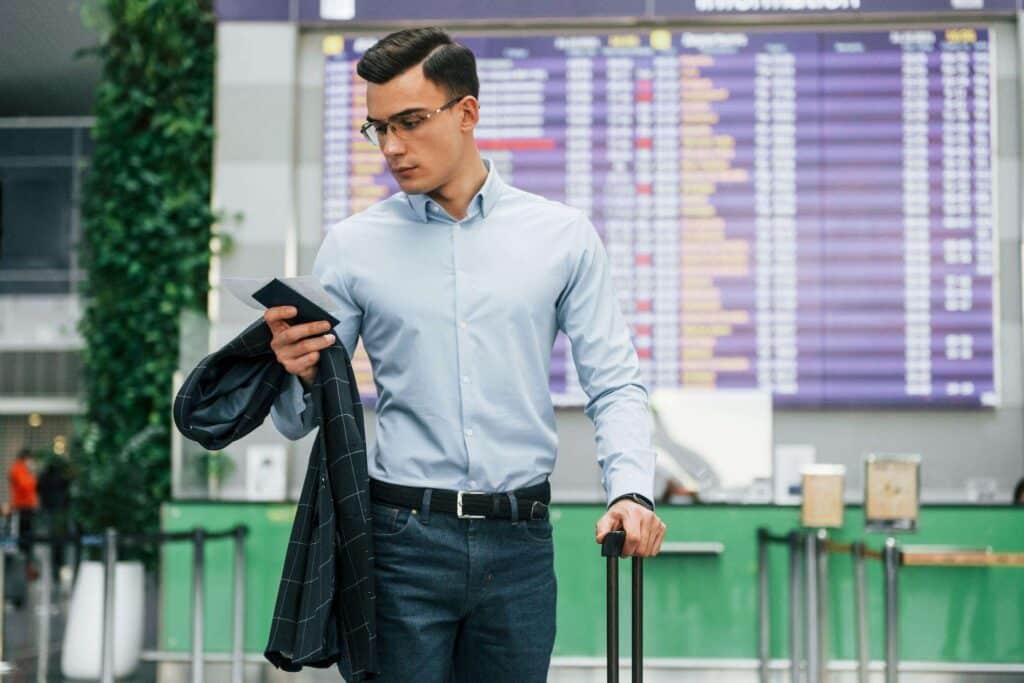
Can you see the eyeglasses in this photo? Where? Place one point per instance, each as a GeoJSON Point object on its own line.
{"type": "Point", "coordinates": [402, 124]}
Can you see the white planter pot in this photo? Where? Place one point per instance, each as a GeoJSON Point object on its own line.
{"type": "Point", "coordinates": [83, 636]}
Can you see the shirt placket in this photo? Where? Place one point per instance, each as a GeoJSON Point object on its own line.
{"type": "Point", "coordinates": [464, 291]}
{"type": "Point", "coordinates": [463, 344]}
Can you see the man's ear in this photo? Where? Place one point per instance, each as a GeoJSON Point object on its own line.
{"type": "Point", "coordinates": [469, 111]}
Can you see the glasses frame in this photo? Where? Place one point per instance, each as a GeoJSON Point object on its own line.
{"type": "Point", "coordinates": [365, 129]}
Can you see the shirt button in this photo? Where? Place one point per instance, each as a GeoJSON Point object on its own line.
{"type": "Point", "coordinates": [469, 432]}
{"type": "Point", "coordinates": [472, 484]}
{"type": "Point", "coordinates": [463, 324]}
{"type": "Point", "coordinates": [465, 379]}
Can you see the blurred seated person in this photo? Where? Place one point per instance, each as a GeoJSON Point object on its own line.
{"type": "Point", "coordinates": [675, 483]}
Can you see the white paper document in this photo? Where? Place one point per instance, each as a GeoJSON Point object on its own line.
{"type": "Point", "coordinates": [306, 285]}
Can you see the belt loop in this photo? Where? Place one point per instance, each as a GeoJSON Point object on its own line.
{"type": "Point", "coordinates": [425, 507]}
{"type": "Point", "coordinates": [513, 507]}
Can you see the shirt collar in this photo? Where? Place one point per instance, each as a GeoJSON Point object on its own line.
{"type": "Point", "coordinates": [483, 201]}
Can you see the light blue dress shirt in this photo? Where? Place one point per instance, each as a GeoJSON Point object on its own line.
{"type": "Point", "coordinates": [459, 318]}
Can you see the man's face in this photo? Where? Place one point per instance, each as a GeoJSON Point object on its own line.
{"type": "Point", "coordinates": [425, 157]}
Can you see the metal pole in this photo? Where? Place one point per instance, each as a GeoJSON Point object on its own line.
{"type": "Point", "coordinates": [811, 575]}
{"type": "Point", "coordinates": [795, 608]}
{"type": "Point", "coordinates": [611, 548]}
{"type": "Point", "coordinates": [764, 606]}
{"type": "Point", "coordinates": [638, 620]}
{"type": "Point", "coordinates": [237, 664]}
{"type": "Point", "coordinates": [198, 542]}
{"type": "Point", "coordinates": [892, 613]}
{"type": "Point", "coordinates": [109, 568]}
{"type": "Point", "coordinates": [76, 549]}
{"type": "Point", "coordinates": [613, 619]}
{"type": "Point", "coordinates": [861, 613]}
{"type": "Point", "coordinates": [43, 655]}
{"type": "Point", "coordinates": [3, 583]}
{"type": "Point", "coordinates": [823, 625]}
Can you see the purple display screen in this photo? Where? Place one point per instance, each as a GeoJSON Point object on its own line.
{"type": "Point", "coordinates": [809, 212]}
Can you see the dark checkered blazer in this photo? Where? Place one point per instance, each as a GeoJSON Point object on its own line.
{"type": "Point", "coordinates": [327, 586]}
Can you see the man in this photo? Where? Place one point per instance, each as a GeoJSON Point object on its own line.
{"type": "Point", "coordinates": [458, 285]}
{"type": "Point", "coordinates": [24, 501]}
{"type": "Point", "coordinates": [54, 488]}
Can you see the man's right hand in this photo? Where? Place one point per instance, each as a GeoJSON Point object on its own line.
{"type": "Point", "coordinates": [297, 347]}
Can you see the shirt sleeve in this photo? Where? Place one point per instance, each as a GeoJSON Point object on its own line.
{"type": "Point", "coordinates": [292, 411]}
{"type": "Point", "coordinates": [608, 368]}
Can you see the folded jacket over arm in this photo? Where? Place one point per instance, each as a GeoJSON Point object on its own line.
{"type": "Point", "coordinates": [324, 612]}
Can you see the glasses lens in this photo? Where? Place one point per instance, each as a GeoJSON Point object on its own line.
{"type": "Point", "coordinates": [370, 133]}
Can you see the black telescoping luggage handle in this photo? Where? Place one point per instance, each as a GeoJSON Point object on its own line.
{"type": "Point", "coordinates": [611, 548]}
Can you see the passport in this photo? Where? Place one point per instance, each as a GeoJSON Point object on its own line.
{"type": "Point", "coordinates": [277, 293]}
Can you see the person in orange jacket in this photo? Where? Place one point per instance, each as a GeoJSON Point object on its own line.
{"type": "Point", "coordinates": [24, 497]}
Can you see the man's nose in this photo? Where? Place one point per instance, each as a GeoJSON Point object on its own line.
{"type": "Point", "coordinates": [392, 145]}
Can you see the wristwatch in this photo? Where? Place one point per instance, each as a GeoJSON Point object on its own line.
{"type": "Point", "coordinates": [636, 498]}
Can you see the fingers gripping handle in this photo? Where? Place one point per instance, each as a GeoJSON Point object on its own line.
{"type": "Point", "coordinates": [613, 543]}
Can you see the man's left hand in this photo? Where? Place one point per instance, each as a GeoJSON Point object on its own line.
{"type": "Point", "coordinates": [644, 530]}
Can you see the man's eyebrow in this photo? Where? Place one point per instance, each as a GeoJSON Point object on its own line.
{"type": "Point", "coordinates": [410, 110]}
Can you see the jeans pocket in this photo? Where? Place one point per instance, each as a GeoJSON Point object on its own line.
{"type": "Point", "coordinates": [389, 520]}
{"type": "Point", "coordinates": [536, 530]}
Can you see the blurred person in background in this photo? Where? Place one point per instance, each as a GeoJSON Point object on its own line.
{"type": "Point", "coordinates": [1018, 493]}
{"type": "Point", "coordinates": [21, 479]}
{"type": "Point", "coordinates": [54, 496]}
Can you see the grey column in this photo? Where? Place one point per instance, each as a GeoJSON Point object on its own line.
{"type": "Point", "coordinates": [43, 654]}
{"type": "Point", "coordinates": [238, 644]}
{"type": "Point", "coordinates": [813, 627]}
{"type": "Point", "coordinates": [109, 568]}
{"type": "Point", "coordinates": [764, 607]}
{"type": "Point", "coordinates": [198, 543]}
{"type": "Point", "coordinates": [821, 562]}
{"type": "Point", "coordinates": [795, 608]}
{"type": "Point", "coordinates": [892, 613]}
{"type": "Point", "coordinates": [861, 613]}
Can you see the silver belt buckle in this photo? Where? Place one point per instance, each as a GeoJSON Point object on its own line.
{"type": "Point", "coordinates": [458, 506]}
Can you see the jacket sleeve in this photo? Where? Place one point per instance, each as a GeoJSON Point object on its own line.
{"type": "Point", "coordinates": [292, 412]}
{"type": "Point", "coordinates": [608, 368]}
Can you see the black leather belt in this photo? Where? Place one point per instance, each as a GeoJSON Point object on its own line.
{"type": "Point", "coordinates": [531, 501]}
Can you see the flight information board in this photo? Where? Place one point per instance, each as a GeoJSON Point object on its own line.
{"type": "Point", "coordinates": [809, 211]}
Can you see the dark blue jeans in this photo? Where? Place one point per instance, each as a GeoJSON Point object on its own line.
{"type": "Point", "coordinates": [462, 600]}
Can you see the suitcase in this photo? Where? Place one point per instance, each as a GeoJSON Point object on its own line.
{"type": "Point", "coordinates": [611, 548]}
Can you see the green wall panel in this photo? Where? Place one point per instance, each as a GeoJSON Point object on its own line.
{"type": "Point", "coordinates": [694, 606]}
{"type": "Point", "coordinates": [269, 528]}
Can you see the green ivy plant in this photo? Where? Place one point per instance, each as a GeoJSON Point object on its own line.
{"type": "Point", "coordinates": [147, 229]}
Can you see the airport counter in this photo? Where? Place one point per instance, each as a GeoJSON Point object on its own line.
{"type": "Point", "coordinates": [701, 595]}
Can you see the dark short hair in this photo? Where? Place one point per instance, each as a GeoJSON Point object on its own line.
{"type": "Point", "coordinates": [445, 62]}
{"type": "Point", "coordinates": [25, 453]}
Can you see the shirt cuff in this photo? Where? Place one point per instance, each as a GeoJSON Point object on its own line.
{"type": "Point", "coordinates": [623, 483]}
{"type": "Point", "coordinates": [644, 500]}
{"type": "Point", "coordinates": [298, 396]}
